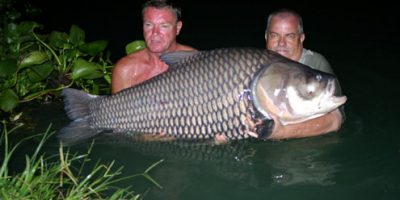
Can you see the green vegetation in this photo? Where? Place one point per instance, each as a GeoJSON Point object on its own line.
{"type": "Point", "coordinates": [37, 66]}
{"type": "Point", "coordinates": [34, 66]}
{"type": "Point", "coordinates": [44, 179]}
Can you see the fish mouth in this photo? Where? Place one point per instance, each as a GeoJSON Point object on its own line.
{"type": "Point", "coordinates": [338, 100]}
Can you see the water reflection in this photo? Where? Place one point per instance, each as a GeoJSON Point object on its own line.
{"type": "Point", "coordinates": [303, 161]}
{"type": "Point", "coordinates": [243, 164]}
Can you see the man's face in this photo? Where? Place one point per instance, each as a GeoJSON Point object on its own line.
{"type": "Point", "coordinates": [283, 37]}
{"type": "Point", "coordinates": [160, 28]}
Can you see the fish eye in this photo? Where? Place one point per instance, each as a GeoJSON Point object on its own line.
{"type": "Point", "coordinates": [318, 77]}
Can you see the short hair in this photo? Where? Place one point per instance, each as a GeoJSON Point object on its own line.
{"type": "Point", "coordinates": [161, 4]}
{"type": "Point", "coordinates": [282, 11]}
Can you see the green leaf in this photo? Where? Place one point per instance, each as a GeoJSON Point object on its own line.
{"type": "Point", "coordinates": [135, 46]}
{"type": "Point", "coordinates": [71, 54]}
{"type": "Point", "coordinates": [85, 70]}
{"type": "Point", "coordinates": [8, 68]}
{"type": "Point", "coordinates": [33, 58]}
{"type": "Point", "coordinates": [76, 35]}
{"type": "Point", "coordinates": [40, 72]}
{"type": "Point", "coordinates": [94, 48]}
{"type": "Point", "coordinates": [26, 27]}
{"type": "Point", "coordinates": [107, 77]}
{"type": "Point", "coordinates": [24, 85]}
{"type": "Point", "coordinates": [58, 39]}
{"type": "Point", "coordinates": [8, 100]}
{"type": "Point", "coordinates": [8, 83]}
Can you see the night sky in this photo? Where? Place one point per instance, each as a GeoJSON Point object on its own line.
{"type": "Point", "coordinates": [218, 23]}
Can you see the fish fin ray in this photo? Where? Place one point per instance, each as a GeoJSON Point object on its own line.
{"type": "Point", "coordinates": [76, 131]}
{"type": "Point", "coordinates": [173, 58]}
{"type": "Point", "coordinates": [76, 103]}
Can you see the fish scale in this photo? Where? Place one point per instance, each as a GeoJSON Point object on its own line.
{"type": "Point", "coordinates": [169, 99]}
{"type": "Point", "coordinates": [228, 91]}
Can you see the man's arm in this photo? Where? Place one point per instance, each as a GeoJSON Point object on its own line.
{"type": "Point", "coordinates": [318, 126]}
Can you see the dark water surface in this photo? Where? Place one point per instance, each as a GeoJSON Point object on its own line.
{"type": "Point", "coordinates": [361, 161]}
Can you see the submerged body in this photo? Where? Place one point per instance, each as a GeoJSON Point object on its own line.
{"type": "Point", "coordinates": [227, 91]}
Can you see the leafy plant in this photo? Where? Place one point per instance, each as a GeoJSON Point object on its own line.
{"type": "Point", "coordinates": [38, 66]}
{"type": "Point", "coordinates": [134, 46]}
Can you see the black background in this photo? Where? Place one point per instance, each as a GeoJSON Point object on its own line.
{"type": "Point", "coordinates": [218, 23]}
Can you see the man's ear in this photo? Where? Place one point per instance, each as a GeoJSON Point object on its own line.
{"type": "Point", "coordinates": [178, 27]}
{"type": "Point", "coordinates": [302, 37]}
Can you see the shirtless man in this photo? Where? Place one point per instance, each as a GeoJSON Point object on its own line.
{"type": "Point", "coordinates": [161, 25]}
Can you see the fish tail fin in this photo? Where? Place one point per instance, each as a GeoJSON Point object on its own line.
{"type": "Point", "coordinates": [77, 103]}
{"type": "Point", "coordinates": [76, 132]}
{"type": "Point", "coordinates": [77, 108]}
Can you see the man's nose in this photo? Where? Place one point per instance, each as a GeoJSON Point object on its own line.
{"type": "Point", "coordinates": [156, 30]}
{"type": "Point", "coordinates": [282, 41]}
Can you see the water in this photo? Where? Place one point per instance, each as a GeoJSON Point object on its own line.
{"type": "Point", "coordinates": [361, 161]}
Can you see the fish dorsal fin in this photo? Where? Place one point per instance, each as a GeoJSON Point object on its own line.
{"type": "Point", "coordinates": [173, 58]}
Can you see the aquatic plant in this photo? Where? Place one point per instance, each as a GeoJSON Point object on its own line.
{"type": "Point", "coordinates": [44, 178]}
{"type": "Point", "coordinates": [38, 66]}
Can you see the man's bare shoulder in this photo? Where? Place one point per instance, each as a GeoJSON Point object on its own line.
{"type": "Point", "coordinates": [182, 47]}
{"type": "Point", "coordinates": [132, 59]}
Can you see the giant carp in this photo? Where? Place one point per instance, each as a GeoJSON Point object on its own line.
{"type": "Point", "coordinates": [229, 91]}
